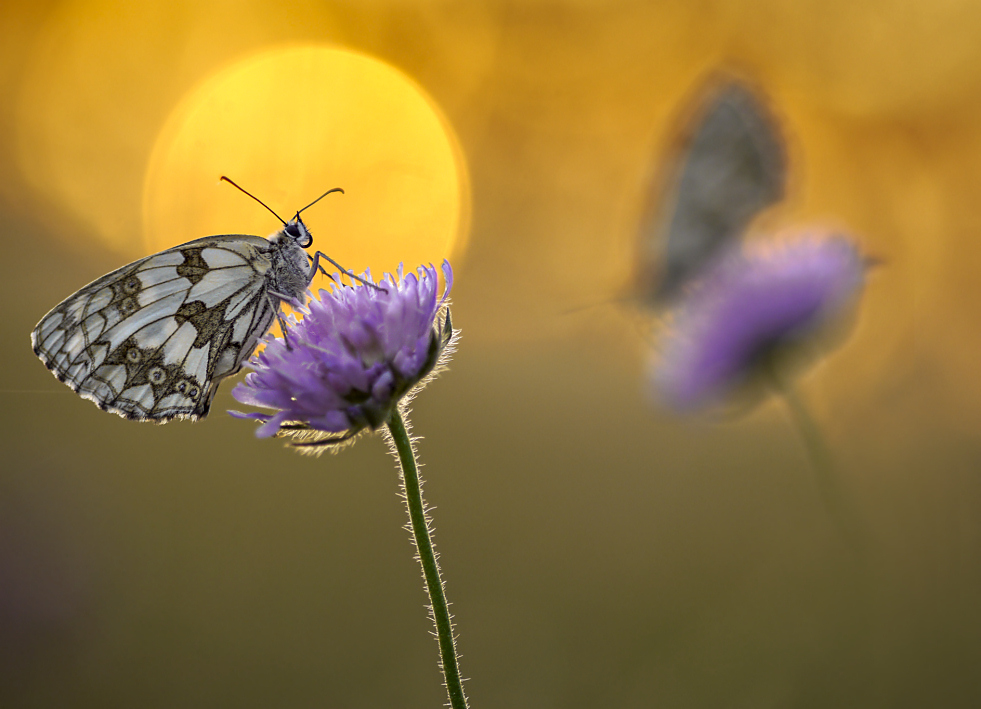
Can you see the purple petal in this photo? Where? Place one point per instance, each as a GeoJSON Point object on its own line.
{"type": "Point", "coordinates": [251, 415]}
{"type": "Point", "coordinates": [345, 348]}
{"type": "Point", "coordinates": [270, 427]}
{"type": "Point", "coordinates": [751, 303]}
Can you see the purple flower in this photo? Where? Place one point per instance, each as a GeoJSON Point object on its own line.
{"type": "Point", "coordinates": [749, 310]}
{"type": "Point", "coordinates": [355, 354]}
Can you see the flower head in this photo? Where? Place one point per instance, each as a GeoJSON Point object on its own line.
{"type": "Point", "coordinates": [751, 307]}
{"type": "Point", "coordinates": [357, 352]}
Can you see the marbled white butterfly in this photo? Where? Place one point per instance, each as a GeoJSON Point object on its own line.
{"type": "Point", "coordinates": [730, 167]}
{"type": "Point", "coordinates": [151, 341]}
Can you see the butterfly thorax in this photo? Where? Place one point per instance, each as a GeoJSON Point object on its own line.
{"type": "Point", "coordinates": [291, 272]}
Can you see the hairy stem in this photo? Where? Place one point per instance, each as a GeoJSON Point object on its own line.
{"type": "Point", "coordinates": [419, 522]}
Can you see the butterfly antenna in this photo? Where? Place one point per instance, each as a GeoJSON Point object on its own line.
{"type": "Point", "coordinates": [232, 183]}
{"type": "Point", "coordinates": [336, 189]}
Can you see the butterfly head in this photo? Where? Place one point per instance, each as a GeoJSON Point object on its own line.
{"type": "Point", "coordinates": [296, 230]}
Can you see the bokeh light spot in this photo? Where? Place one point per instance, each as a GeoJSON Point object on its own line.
{"type": "Point", "coordinates": [99, 79]}
{"type": "Point", "coordinates": [291, 123]}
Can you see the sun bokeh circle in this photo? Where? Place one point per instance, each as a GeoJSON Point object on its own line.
{"type": "Point", "coordinates": [288, 125]}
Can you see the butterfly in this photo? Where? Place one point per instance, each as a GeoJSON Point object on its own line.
{"type": "Point", "coordinates": [730, 167]}
{"type": "Point", "coordinates": [152, 340]}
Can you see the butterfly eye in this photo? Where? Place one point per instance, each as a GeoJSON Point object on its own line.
{"type": "Point", "coordinates": [296, 231]}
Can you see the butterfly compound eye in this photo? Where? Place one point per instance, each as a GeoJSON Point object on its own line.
{"type": "Point", "coordinates": [297, 231]}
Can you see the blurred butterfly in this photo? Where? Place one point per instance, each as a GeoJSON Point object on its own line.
{"type": "Point", "coordinates": [731, 166]}
{"type": "Point", "coordinates": [151, 341]}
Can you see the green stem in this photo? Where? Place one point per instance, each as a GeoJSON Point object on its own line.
{"type": "Point", "coordinates": [814, 443]}
{"type": "Point", "coordinates": [427, 557]}
{"type": "Point", "coordinates": [835, 501]}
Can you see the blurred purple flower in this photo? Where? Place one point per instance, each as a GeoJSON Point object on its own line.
{"type": "Point", "coordinates": [354, 355]}
{"type": "Point", "coordinates": [751, 308]}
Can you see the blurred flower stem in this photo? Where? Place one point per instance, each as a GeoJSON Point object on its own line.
{"type": "Point", "coordinates": [821, 459]}
{"type": "Point", "coordinates": [814, 443]}
{"type": "Point", "coordinates": [419, 521]}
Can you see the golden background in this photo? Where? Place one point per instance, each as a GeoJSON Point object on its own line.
{"type": "Point", "coordinates": [599, 552]}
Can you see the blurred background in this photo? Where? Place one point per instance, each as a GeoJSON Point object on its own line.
{"type": "Point", "coordinates": [598, 550]}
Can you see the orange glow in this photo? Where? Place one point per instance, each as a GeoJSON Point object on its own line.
{"type": "Point", "coordinates": [100, 77]}
{"type": "Point", "coordinates": [291, 123]}
{"type": "Point", "coordinates": [601, 552]}
{"type": "Point", "coordinates": [565, 110]}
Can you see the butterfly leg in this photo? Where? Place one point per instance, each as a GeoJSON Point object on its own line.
{"type": "Point", "coordinates": [274, 301]}
{"type": "Point", "coordinates": [315, 265]}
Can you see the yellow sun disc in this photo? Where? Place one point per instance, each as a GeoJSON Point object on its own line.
{"type": "Point", "coordinates": [292, 123]}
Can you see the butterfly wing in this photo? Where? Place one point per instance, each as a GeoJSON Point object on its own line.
{"type": "Point", "coordinates": [731, 167]}
{"type": "Point", "coordinates": [152, 340]}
